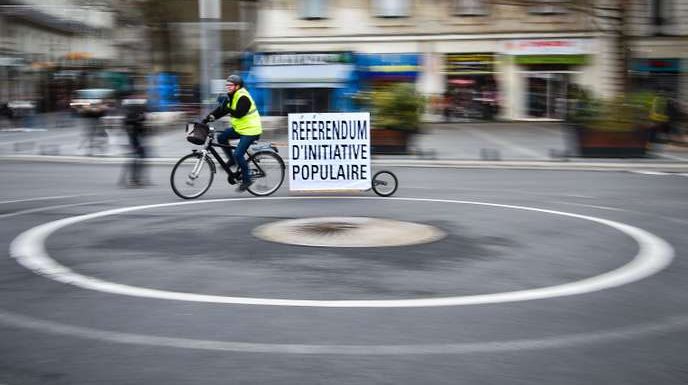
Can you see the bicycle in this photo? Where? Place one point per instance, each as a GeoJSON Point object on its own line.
{"type": "Point", "coordinates": [194, 173]}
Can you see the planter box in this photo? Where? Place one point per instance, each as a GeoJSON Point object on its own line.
{"type": "Point", "coordinates": [612, 144]}
{"type": "Point", "coordinates": [386, 141]}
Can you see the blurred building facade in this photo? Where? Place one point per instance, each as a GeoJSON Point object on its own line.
{"type": "Point", "coordinates": [131, 44]}
{"type": "Point", "coordinates": [176, 43]}
{"type": "Point", "coordinates": [49, 48]}
{"type": "Point", "coordinates": [316, 55]}
{"type": "Point", "coordinates": [658, 33]}
{"type": "Point", "coordinates": [46, 47]}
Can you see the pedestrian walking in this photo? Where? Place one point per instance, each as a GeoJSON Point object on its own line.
{"type": "Point", "coordinates": [134, 109]}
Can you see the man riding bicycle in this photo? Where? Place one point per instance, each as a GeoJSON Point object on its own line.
{"type": "Point", "coordinates": [245, 121]}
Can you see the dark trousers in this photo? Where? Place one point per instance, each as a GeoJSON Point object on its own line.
{"type": "Point", "coordinates": [238, 156]}
{"type": "Point", "coordinates": [138, 153]}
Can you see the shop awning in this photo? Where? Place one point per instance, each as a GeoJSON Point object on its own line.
{"type": "Point", "coordinates": [302, 76]}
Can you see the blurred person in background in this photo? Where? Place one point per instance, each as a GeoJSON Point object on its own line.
{"type": "Point", "coordinates": [447, 105]}
{"type": "Point", "coordinates": [662, 117]}
{"type": "Point", "coordinates": [5, 114]}
{"type": "Point", "coordinates": [246, 125]}
{"type": "Point", "coordinates": [92, 105]}
{"type": "Point", "coordinates": [134, 109]}
{"type": "Point", "coordinates": [675, 115]}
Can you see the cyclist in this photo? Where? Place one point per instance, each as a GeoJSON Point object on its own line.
{"type": "Point", "coordinates": [245, 121]}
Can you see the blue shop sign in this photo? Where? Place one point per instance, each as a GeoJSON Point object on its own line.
{"type": "Point", "coordinates": [163, 88]}
{"type": "Point", "coordinates": [656, 65]}
{"type": "Point", "coordinates": [404, 66]}
{"type": "Point", "coordinates": [300, 58]}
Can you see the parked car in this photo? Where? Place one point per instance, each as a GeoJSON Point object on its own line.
{"type": "Point", "coordinates": [93, 102]}
{"type": "Point", "coordinates": [18, 108]}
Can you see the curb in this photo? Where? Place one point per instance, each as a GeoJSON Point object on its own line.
{"type": "Point", "coordinates": [558, 165]}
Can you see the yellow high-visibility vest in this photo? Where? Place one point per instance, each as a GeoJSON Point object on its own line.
{"type": "Point", "coordinates": [248, 124]}
{"type": "Point", "coordinates": [658, 112]}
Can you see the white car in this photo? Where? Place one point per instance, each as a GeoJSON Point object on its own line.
{"type": "Point", "coordinates": [93, 102]}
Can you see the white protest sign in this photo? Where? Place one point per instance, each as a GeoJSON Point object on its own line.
{"type": "Point", "coordinates": [329, 151]}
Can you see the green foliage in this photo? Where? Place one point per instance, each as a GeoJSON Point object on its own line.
{"type": "Point", "coordinates": [397, 107]}
{"type": "Point", "coordinates": [623, 113]}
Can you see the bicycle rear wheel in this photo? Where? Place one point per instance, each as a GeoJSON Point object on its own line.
{"type": "Point", "coordinates": [385, 183]}
{"type": "Point", "coordinates": [267, 173]}
{"type": "Point", "coordinates": [192, 176]}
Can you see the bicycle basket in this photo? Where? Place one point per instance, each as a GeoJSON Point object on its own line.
{"type": "Point", "coordinates": [196, 133]}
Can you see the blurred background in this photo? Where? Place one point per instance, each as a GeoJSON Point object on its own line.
{"type": "Point", "coordinates": [470, 60]}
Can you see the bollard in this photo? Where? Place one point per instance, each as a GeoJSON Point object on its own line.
{"type": "Point", "coordinates": [24, 146]}
{"type": "Point", "coordinates": [489, 154]}
{"type": "Point", "coordinates": [50, 149]}
{"type": "Point", "coordinates": [562, 155]}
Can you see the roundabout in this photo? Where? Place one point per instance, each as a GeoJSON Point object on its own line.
{"type": "Point", "coordinates": [654, 254]}
{"type": "Point", "coordinates": [516, 281]}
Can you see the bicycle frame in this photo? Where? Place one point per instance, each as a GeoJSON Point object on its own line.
{"type": "Point", "coordinates": [209, 147]}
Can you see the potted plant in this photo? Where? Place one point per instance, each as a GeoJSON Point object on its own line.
{"type": "Point", "coordinates": [396, 117]}
{"type": "Point", "coordinates": [617, 128]}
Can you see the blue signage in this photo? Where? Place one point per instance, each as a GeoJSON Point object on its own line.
{"type": "Point", "coordinates": [656, 65]}
{"type": "Point", "coordinates": [402, 66]}
{"type": "Point", "coordinates": [163, 90]}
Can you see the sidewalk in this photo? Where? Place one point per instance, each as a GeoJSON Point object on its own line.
{"type": "Point", "coordinates": [459, 144]}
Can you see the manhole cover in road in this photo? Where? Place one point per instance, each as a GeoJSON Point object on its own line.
{"type": "Point", "coordinates": [348, 232]}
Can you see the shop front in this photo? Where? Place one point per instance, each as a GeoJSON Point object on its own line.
{"type": "Point", "coordinates": [657, 75]}
{"type": "Point", "coordinates": [283, 83]}
{"type": "Point", "coordinates": [546, 69]}
{"type": "Point", "coordinates": [471, 89]}
{"type": "Point", "coordinates": [11, 78]}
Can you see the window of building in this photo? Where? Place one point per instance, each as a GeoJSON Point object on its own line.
{"type": "Point", "coordinates": [661, 12]}
{"type": "Point", "coordinates": [284, 101]}
{"type": "Point", "coordinates": [548, 7]}
{"type": "Point", "coordinates": [312, 9]}
{"type": "Point", "coordinates": [470, 8]}
{"type": "Point", "coordinates": [392, 8]}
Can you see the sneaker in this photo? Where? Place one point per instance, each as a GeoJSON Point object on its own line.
{"type": "Point", "coordinates": [244, 186]}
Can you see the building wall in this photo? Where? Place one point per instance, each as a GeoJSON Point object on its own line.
{"type": "Point", "coordinates": [666, 41]}
{"type": "Point", "coordinates": [39, 39]}
{"type": "Point", "coordinates": [280, 19]}
{"type": "Point", "coordinates": [431, 30]}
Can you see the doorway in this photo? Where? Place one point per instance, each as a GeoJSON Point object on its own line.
{"type": "Point", "coordinates": [546, 94]}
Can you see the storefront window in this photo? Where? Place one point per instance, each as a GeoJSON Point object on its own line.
{"type": "Point", "coordinates": [548, 7]}
{"type": "Point", "coordinates": [299, 100]}
{"type": "Point", "coordinates": [470, 8]}
{"type": "Point", "coordinates": [472, 91]}
{"type": "Point", "coordinates": [546, 95]}
{"type": "Point", "coordinates": [313, 9]}
{"type": "Point", "coordinates": [391, 8]}
{"type": "Point", "coordinates": [656, 75]}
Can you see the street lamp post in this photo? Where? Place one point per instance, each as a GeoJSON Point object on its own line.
{"type": "Point", "coordinates": [209, 13]}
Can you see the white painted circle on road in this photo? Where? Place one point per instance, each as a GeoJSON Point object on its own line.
{"type": "Point", "coordinates": [663, 326]}
{"type": "Point", "coordinates": [654, 254]}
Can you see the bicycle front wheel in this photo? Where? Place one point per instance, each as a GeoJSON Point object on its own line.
{"type": "Point", "coordinates": [385, 183]}
{"type": "Point", "coordinates": [267, 173]}
{"type": "Point", "coordinates": [192, 176]}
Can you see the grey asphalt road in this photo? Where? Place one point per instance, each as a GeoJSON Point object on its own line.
{"type": "Point", "coordinates": [508, 231]}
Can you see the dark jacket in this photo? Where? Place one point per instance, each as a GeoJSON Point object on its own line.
{"type": "Point", "coordinates": [242, 107]}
